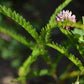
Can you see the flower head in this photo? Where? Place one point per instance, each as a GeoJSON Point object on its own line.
{"type": "Point", "coordinates": [66, 15]}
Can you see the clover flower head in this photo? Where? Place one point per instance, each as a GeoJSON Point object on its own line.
{"type": "Point", "coordinates": [64, 16]}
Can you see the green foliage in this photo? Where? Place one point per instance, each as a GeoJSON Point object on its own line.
{"type": "Point", "coordinates": [78, 38]}
{"type": "Point", "coordinates": [64, 51]}
{"type": "Point", "coordinates": [34, 74]}
{"type": "Point", "coordinates": [20, 20]}
{"type": "Point", "coordinates": [25, 69]}
{"type": "Point", "coordinates": [52, 19]}
{"type": "Point", "coordinates": [15, 36]}
{"type": "Point", "coordinates": [42, 42]}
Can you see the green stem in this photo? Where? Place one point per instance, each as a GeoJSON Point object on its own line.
{"type": "Point", "coordinates": [83, 19]}
{"type": "Point", "coordinates": [71, 75]}
{"type": "Point", "coordinates": [55, 78]}
{"type": "Point", "coordinates": [23, 81]}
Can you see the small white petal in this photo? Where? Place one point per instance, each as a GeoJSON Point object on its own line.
{"type": "Point", "coordinates": [70, 13]}
{"type": "Point", "coordinates": [73, 16]}
{"type": "Point", "coordinates": [58, 19]}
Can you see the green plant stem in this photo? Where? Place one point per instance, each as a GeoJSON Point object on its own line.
{"type": "Point", "coordinates": [67, 70]}
{"type": "Point", "coordinates": [69, 67]}
{"type": "Point", "coordinates": [83, 24]}
{"type": "Point", "coordinates": [55, 78]}
{"type": "Point", "coordinates": [71, 75]}
{"type": "Point", "coordinates": [83, 19]}
{"type": "Point", "coordinates": [23, 81]}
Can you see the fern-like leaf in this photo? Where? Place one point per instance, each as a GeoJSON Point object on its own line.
{"type": "Point", "coordinates": [74, 41]}
{"type": "Point", "coordinates": [46, 32]}
{"type": "Point", "coordinates": [16, 36]}
{"type": "Point", "coordinates": [64, 51]}
{"type": "Point", "coordinates": [20, 20]}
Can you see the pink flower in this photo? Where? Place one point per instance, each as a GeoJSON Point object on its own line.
{"type": "Point", "coordinates": [64, 16]}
